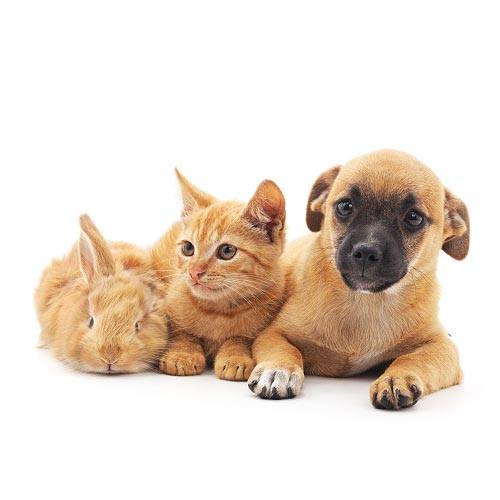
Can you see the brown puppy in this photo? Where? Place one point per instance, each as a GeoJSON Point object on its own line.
{"type": "Point", "coordinates": [362, 290]}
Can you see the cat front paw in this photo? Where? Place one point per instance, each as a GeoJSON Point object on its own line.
{"type": "Point", "coordinates": [182, 363]}
{"type": "Point", "coordinates": [271, 381]}
{"type": "Point", "coordinates": [233, 367]}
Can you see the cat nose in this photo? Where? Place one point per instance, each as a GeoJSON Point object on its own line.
{"type": "Point", "coordinates": [196, 273]}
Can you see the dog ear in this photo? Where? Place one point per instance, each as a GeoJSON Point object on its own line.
{"type": "Point", "coordinates": [317, 198]}
{"type": "Point", "coordinates": [266, 209]}
{"type": "Point", "coordinates": [456, 233]}
{"type": "Point", "coordinates": [192, 198]}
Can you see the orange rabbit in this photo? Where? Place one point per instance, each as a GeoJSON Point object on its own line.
{"type": "Point", "coordinates": [97, 306]}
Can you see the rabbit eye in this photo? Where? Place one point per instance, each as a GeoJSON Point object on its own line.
{"type": "Point", "coordinates": [137, 326]}
{"type": "Point", "coordinates": [91, 322]}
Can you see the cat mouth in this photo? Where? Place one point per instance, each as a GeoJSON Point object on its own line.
{"type": "Point", "coordinates": [202, 289]}
{"type": "Point", "coordinates": [202, 286]}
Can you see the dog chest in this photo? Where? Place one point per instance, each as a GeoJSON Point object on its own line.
{"type": "Point", "coordinates": [359, 364]}
{"type": "Point", "coordinates": [361, 337]}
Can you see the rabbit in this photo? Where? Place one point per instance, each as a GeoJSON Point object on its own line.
{"type": "Point", "coordinates": [100, 308]}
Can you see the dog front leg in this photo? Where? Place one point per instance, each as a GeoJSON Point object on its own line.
{"type": "Point", "coordinates": [432, 366]}
{"type": "Point", "coordinates": [279, 372]}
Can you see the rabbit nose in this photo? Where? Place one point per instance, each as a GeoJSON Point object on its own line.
{"type": "Point", "coordinates": [110, 355]}
{"type": "Point", "coordinates": [109, 365]}
{"type": "Point", "coordinates": [109, 361]}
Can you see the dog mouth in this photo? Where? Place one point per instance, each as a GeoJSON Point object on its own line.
{"type": "Point", "coordinates": [370, 285]}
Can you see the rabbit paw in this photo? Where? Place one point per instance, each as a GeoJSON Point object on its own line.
{"type": "Point", "coordinates": [182, 363]}
{"type": "Point", "coordinates": [233, 367]}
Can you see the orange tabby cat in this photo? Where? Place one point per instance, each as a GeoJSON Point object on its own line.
{"type": "Point", "coordinates": [220, 264]}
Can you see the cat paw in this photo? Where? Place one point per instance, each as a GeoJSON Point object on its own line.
{"type": "Point", "coordinates": [270, 381]}
{"type": "Point", "coordinates": [182, 363]}
{"type": "Point", "coordinates": [233, 367]}
{"type": "Point", "coordinates": [395, 392]}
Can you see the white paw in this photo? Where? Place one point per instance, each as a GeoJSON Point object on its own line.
{"type": "Point", "coordinates": [276, 382]}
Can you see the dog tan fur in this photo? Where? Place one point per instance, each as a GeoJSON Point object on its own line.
{"type": "Point", "coordinates": [217, 306]}
{"type": "Point", "coordinates": [327, 328]}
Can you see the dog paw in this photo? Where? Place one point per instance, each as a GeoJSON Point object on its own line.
{"type": "Point", "coordinates": [269, 381]}
{"type": "Point", "coordinates": [395, 392]}
{"type": "Point", "coordinates": [233, 367]}
{"type": "Point", "coordinates": [182, 363]}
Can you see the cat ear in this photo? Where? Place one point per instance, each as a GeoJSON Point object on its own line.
{"type": "Point", "coordinates": [266, 209]}
{"type": "Point", "coordinates": [192, 198]}
{"type": "Point", "coordinates": [96, 259]}
{"type": "Point", "coordinates": [456, 232]}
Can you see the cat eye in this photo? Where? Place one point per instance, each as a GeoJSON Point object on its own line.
{"type": "Point", "coordinates": [344, 208]}
{"type": "Point", "coordinates": [91, 322]}
{"type": "Point", "coordinates": [414, 218]}
{"type": "Point", "coordinates": [187, 248]}
{"type": "Point", "coordinates": [226, 251]}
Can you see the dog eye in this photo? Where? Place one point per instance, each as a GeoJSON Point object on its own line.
{"type": "Point", "coordinates": [344, 208]}
{"type": "Point", "coordinates": [91, 322]}
{"type": "Point", "coordinates": [187, 248]}
{"type": "Point", "coordinates": [226, 252]}
{"type": "Point", "coordinates": [414, 219]}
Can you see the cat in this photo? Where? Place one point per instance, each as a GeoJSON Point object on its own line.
{"type": "Point", "coordinates": [222, 279]}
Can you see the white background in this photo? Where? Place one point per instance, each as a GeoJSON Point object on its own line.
{"type": "Point", "coordinates": [100, 100]}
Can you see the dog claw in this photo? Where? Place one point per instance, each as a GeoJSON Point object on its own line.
{"type": "Point", "coordinates": [395, 393]}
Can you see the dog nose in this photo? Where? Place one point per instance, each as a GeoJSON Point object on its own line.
{"type": "Point", "coordinates": [366, 254]}
{"type": "Point", "coordinates": [196, 273]}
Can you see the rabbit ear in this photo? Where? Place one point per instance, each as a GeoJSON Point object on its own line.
{"type": "Point", "coordinates": [266, 209]}
{"type": "Point", "coordinates": [95, 255]}
{"type": "Point", "coordinates": [192, 197]}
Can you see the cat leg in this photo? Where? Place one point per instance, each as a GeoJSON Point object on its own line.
{"type": "Point", "coordinates": [233, 360]}
{"type": "Point", "coordinates": [184, 356]}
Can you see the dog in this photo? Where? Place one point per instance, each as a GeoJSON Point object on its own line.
{"type": "Point", "coordinates": [361, 290]}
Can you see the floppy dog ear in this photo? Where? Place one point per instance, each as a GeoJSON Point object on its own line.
{"type": "Point", "coordinates": [192, 198]}
{"type": "Point", "coordinates": [266, 209]}
{"type": "Point", "coordinates": [456, 233]}
{"type": "Point", "coordinates": [317, 198]}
